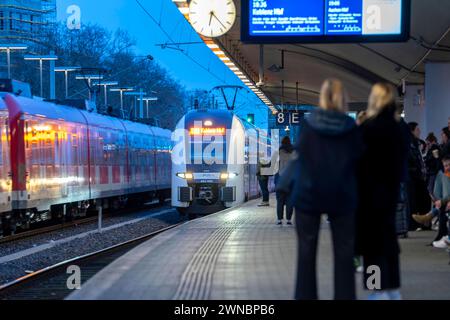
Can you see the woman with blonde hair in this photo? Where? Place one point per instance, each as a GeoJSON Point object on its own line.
{"type": "Point", "coordinates": [381, 172]}
{"type": "Point", "coordinates": [328, 152]}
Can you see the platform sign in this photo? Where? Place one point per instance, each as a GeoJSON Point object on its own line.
{"type": "Point", "coordinates": [290, 118]}
{"type": "Point", "coordinates": [324, 21]}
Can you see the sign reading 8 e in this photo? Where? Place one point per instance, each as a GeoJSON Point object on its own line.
{"type": "Point", "coordinates": [289, 118]}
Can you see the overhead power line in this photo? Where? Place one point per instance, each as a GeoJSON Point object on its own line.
{"type": "Point", "coordinates": [169, 37]}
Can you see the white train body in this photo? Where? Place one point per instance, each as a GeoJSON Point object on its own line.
{"type": "Point", "coordinates": [214, 161]}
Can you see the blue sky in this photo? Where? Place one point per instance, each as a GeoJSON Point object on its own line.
{"type": "Point", "coordinates": [127, 15]}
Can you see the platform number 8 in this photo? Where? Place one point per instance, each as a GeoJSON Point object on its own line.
{"type": "Point", "coordinates": [281, 118]}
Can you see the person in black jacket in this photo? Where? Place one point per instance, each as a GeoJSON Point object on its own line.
{"type": "Point", "coordinates": [325, 182]}
{"type": "Point", "coordinates": [445, 146]}
{"type": "Point", "coordinates": [432, 161]}
{"type": "Point", "coordinates": [285, 156]}
{"type": "Point", "coordinates": [418, 195]}
{"type": "Point", "coordinates": [381, 171]}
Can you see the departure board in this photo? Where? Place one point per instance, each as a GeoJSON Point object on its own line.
{"type": "Point", "coordinates": [325, 20]}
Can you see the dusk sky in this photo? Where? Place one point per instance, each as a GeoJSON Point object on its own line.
{"type": "Point", "coordinates": [127, 15]}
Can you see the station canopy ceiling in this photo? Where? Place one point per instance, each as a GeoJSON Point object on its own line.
{"type": "Point", "coordinates": [358, 65]}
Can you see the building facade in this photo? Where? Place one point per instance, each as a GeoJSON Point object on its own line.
{"type": "Point", "coordinates": [25, 20]}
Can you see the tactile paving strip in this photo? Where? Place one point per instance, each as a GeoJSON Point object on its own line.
{"type": "Point", "coordinates": [196, 281]}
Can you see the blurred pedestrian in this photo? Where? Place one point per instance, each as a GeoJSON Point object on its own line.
{"type": "Point", "coordinates": [445, 145]}
{"type": "Point", "coordinates": [442, 194]}
{"type": "Point", "coordinates": [380, 174]}
{"type": "Point", "coordinates": [285, 155]}
{"type": "Point", "coordinates": [328, 151]}
{"type": "Point", "coordinates": [418, 195]}
{"type": "Point", "coordinates": [263, 179]}
{"type": "Point", "coordinates": [432, 161]}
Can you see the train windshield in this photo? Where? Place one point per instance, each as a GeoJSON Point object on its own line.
{"type": "Point", "coordinates": [209, 151]}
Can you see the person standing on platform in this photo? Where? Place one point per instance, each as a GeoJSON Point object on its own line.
{"type": "Point", "coordinates": [418, 195]}
{"type": "Point", "coordinates": [263, 179]}
{"type": "Point", "coordinates": [432, 161]}
{"type": "Point", "coordinates": [285, 156]}
{"type": "Point", "coordinates": [381, 171]}
{"type": "Point", "coordinates": [328, 149]}
{"type": "Point", "coordinates": [445, 146]}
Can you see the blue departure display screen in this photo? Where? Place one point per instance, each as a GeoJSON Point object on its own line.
{"type": "Point", "coordinates": [344, 17]}
{"type": "Point", "coordinates": [279, 17]}
{"type": "Point", "coordinates": [324, 18]}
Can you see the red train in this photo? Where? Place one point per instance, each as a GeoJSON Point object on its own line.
{"type": "Point", "coordinates": [57, 160]}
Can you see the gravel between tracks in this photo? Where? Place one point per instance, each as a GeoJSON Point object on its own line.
{"type": "Point", "coordinates": [26, 243]}
{"type": "Point", "coordinates": [14, 269]}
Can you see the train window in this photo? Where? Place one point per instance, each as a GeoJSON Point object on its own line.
{"type": "Point", "coordinates": [49, 152]}
{"type": "Point", "coordinates": [26, 133]}
{"type": "Point", "coordinates": [34, 153]}
{"type": "Point", "coordinates": [57, 141]}
{"type": "Point", "coordinates": [84, 147]}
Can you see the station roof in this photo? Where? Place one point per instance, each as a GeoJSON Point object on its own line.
{"type": "Point", "coordinates": [358, 65]}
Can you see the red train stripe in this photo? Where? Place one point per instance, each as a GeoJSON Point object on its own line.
{"type": "Point", "coordinates": [17, 151]}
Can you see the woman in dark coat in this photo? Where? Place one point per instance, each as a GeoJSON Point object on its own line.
{"type": "Point", "coordinates": [380, 173]}
{"type": "Point", "coordinates": [328, 153]}
{"type": "Point", "coordinates": [432, 161]}
{"type": "Point", "coordinates": [418, 194]}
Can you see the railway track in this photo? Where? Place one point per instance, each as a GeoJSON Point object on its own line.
{"type": "Point", "coordinates": [51, 283]}
{"type": "Point", "coordinates": [61, 226]}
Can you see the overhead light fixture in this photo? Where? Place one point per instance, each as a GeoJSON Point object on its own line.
{"type": "Point", "coordinates": [226, 58]}
{"type": "Point", "coordinates": [184, 10]}
{"type": "Point", "coordinates": [212, 46]}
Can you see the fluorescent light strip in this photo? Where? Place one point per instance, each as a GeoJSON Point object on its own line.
{"type": "Point", "coordinates": [184, 10]}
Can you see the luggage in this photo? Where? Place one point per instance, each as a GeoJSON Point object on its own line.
{"type": "Point", "coordinates": [402, 214]}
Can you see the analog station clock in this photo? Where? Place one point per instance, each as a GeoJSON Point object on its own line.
{"type": "Point", "coordinates": [212, 18]}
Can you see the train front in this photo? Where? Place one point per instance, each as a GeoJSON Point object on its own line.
{"type": "Point", "coordinates": [208, 162]}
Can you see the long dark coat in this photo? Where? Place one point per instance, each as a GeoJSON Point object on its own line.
{"type": "Point", "coordinates": [380, 173]}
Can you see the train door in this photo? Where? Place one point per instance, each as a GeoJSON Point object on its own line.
{"type": "Point", "coordinates": [63, 145]}
{"type": "Point", "coordinates": [34, 157]}
{"type": "Point", "coordinates": [151, 161]}
{"type": "Point", "coordinates": [253, 166]}
{"type": "Point", "coordinates": [5, 169]}
{"type": "Point", "coordinates": [247, 168]}
{"type": "Point", "coordinates": [167, 161]}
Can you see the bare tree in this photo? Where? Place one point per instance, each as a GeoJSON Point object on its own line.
{"type": "Point", "coordinates": [94, 46]}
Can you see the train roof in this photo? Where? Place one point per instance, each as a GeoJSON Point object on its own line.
{"type": "Point", "coordinates": [49, 110]}
{"type": "Point", "coordinates": [221, 114]}
{"type": "Point", "coordinates": [54, 111]}
{"type": "Point", "coordinates": [210, 112]}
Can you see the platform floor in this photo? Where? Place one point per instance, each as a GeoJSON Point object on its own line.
{"type": "Point", "coordinates": [240, 254]}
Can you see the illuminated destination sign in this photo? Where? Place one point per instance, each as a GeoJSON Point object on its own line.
{"type": "Point", "coordinates": [196, 131]}
{"type": "Point", "coordinates": [303, 21]}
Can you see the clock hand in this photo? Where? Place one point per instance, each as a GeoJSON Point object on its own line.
{"type": "Point", "coordinates": [213, 14]}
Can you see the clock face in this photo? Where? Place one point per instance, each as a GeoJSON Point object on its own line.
{"type": "Point", "coordinates": [212, 18]}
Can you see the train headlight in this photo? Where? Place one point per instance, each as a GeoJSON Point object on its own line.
{"type": "Point", "coordinates": [230, 175]}
{"type": "Point", "coordinates": [185, 175]}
